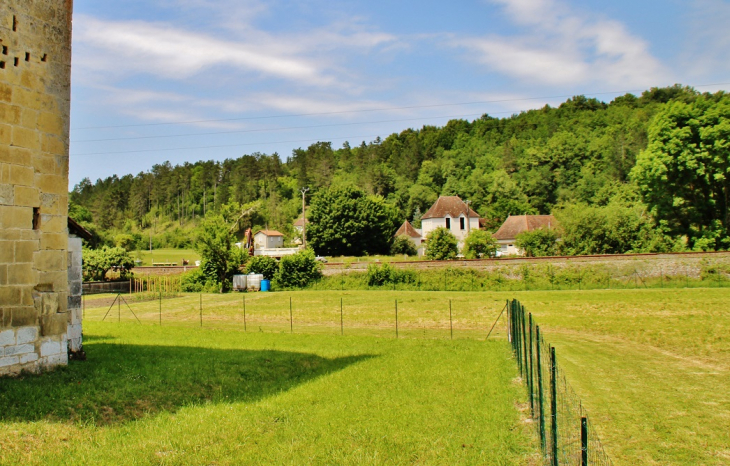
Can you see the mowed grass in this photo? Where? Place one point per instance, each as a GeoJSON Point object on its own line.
{"type": "Point", "coordinates": [166, 255]}
{"type": "Point", "coordinates": [177, 395]}
{"type": "Point", "coordinates": [652, 366]}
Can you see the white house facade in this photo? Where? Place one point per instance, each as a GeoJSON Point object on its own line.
{"type": "Point", "coordinates": [452, 213]}
{"type": "Point", "coordinates": [268, 239]}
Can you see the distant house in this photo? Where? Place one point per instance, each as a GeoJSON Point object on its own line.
{"type": "Point", "coordinates": [412, 234]}
{"type": "Point", "coordinates": [451, 213]}
{"type": "Point", "coordinates": [299, 224]}
{"type": "Point", "coordinates": [268, 239]}
{"type": "Point", "coordinates": [516, 224]}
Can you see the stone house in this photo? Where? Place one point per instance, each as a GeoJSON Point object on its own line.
{"type": "Point", "coordinates": [35, 69]}
{"type": "Point", "coordinates": [516, 224]}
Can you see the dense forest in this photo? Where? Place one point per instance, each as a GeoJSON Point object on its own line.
{"type": "Point", "coordinates": [578, 161]}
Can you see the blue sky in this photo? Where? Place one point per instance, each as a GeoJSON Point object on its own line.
{"type": "Point", "coordinates": [188, 80]}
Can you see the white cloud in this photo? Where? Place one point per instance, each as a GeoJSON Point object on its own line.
{"type": "Point", "coordinates": [559, 47]}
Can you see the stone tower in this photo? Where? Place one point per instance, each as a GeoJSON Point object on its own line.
{"type": "Point", "coordinates": [35, 79]}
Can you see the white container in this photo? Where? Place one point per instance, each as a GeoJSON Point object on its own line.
{"type": "Point", "coordinates": [239, 283]}
{"type": "Point", "coordinates": [253, 281]}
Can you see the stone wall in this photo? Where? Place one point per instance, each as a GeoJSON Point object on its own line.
{"type": "Point", "coordinates": [35, 68]}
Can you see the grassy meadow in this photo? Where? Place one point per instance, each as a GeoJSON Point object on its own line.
{"type": "Point", "coordinates": [165, 255]}
{"type": "Point", "coordinates": [176, 395]}
{"type": "Point", "coordinates": [651, 365]}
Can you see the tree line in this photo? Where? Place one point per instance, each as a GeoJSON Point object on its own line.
{"type": "Point", "coordinates": [640, 173]}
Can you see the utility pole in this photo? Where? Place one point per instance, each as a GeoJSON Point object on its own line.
{"type": "Point", "coordinates": [304, 219]}
{"type": "Point", "coordinates": [468, 226]}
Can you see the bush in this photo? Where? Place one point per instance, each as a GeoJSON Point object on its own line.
{"type": "Point", "coordinates": [97, 262]}
{"type": "Point", "coordinates": [266, 266]}
{"type": "Point", "coordinates": [441, 244]}
{"type": "Point", "coordinates": [538, 243]}
{"type": "Point", "coordinates": [403, 245]}
{"type": "Point", "coordinates": [298, 270]}
{"type": "Point", "coordinates": [479, 244]}
{"type": "Point", "coordinates": [388, 275]}
{"type": "Point", "coordinates": [196, 281]}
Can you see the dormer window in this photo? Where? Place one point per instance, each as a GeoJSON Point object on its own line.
{"type": "Point", "coordinates": [461, 223]}
{"type": "Point", "coordinates": [448, 224]}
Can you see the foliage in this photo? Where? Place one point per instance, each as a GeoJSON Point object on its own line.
{"type": "Point", "coordinates": [386, 274]}
{"type": "Point", "coordinates": [478, 244]}
{"type": "Point", "coordinates": [97, 262]}
{"type": "Point", "coordinates": [684, 174]}
{"type": "Point", "coordinates": [534, 162]}
{"type": "Point", "coordinates": [441, 244]}
{"type": "Point", "coordinates": [264, 265]}
{"type": "Point", "coordinates": [298, 270]}
{"type": "Point", "coordinates": [196, 281]}
{"type": "Point", "coordinates": [346, 221]}
{"type": "Point", "coordinates": [538, 243]}
{"type": "Point", "coordinates": [402, 244]}
{"type": "Point", "coordinates": [219, 261]}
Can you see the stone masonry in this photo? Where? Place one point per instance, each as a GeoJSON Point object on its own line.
{"type": "Point", "coordinates": [35, 74]}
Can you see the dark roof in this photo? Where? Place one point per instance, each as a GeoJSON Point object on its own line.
{"type": "Point", "coordinates": [516, 224]}
{"type": "Point", "coordinates": [407, 229]}
{"type": "Point", "coordinates": [452, 206]}
{"type": "Point", "coordinates": [77, 230]}
{"type": "Point", "coordinates": [270, 233]}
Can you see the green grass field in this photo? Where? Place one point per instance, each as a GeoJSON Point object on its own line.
{"type": "Point", "coordinates": [651, 365]}
{"type": "Point", "coordinates": [166, 255]}
{"type": "Point", "coordinates": [176, 395]}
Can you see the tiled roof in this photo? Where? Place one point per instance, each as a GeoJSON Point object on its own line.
{"type": "Point", "coordinates": [407, 229]}
{"type": "Point", "coordinates": [300, 222]}
{"type": "Point", "coordinates": [516, 224]}
{"type": "Point", "coordinates": [270, 233]}
{"type": "Point", "coordinates": [452, 206]}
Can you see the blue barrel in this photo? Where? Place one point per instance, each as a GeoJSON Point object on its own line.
{"type": "Point", "coordinates": [265, 285]}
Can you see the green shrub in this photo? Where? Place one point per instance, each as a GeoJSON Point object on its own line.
{"type": "Point", "coordinates": [266, 266]}
{"type": "Point", "coordinates": [298, 270]}
{"type": "Point", "coordinates": [403, 245]}
{"type": "Point", "coordinates": [538, 243]}
{"type": "Point", "coordinates": [441, 244]}
{"type": "Point", "coordinates": [479, 244]}
{"type": "Point", "coordinates": [97, 262]}
{"type": "Point", "coordinates": [388, 275]}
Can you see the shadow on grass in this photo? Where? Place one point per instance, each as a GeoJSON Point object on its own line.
{"type": "Point", "coordinates": [121, 383]}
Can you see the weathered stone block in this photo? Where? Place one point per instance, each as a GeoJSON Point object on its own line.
{"type": "Point", "coordinates": [9, 361]}
{"type": "Point", "coordinates": [27, 196]}
{"type": "Point", "coordinates": [50, 348]}
{"type": "Point", "coordinates": [10, 114]}
{"type": "Point", "coordinates": [26, 335]}
{"type": "Point", "coordinates": [19, 349]}
{"type": "Point", "coordinates": [54, 184]}
{"type": "Point", "coordinates": [7, 252]}
{"type": "Point", "coordinates": [24, 316]}
{"type": "Point", "coordinates": [24, 250]}
{"type": "Point", "coordinates": [16, 217]}
{"type": "Point", "coordinates": [21, 274]}
{"type": "Point", "coordinates": [10, 295]}
{"type": "Point", "coordinates": [53, 145]}
{"type": "Point", "coordinates": [6, 93]}
{"type": "Point", "coordinates": [54, 224]}
{"type": "Point", "coordinates": [55, 324]}
{"type": "Point", "coordinates": [6, 132]}
{"type": "Point", "coordinates": [29, 119]}
{"type": "Point", "coordinates": [27, 358]}
{"type": "Point", "coordinates": [46, 164]}
{"type": "Point", "coordinates": [7, 194]}
{"type": "Point", "coordinates": [7, 337]}
{"type": "Point", "coordinates": [51, 123]}
{"type": "Point", "coordinates": [24, 137]}
{"type": "Point", "coordinates": [50, 260]}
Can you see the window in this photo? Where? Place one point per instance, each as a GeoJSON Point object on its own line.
{"type": "Point", "coordinates": [461, 223]}
{"type": "Point", "coordinates": [448, 224]}
{"type": "Point", "coordinates": [36, 218]}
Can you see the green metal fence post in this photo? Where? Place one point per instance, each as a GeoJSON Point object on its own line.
{"type": "Point", "coordinates": [553, 407]}
{"type": "Point", "coordinates": [524, 346]}
{"type": "Point", "coordinates": [530, 369]}
{"type": "Point", "coordinates": [540, 390]}
{"type": "Point", "coordinates": [583, 441]}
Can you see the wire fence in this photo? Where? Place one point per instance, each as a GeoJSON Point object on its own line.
{"type": "Point", "coordinates": [567, 436]}
{"type": "Point", "coordinates": [382, 314]}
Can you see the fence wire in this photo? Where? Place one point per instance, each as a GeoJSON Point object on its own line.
{"type": "Point", "coordinates": [567, 437]}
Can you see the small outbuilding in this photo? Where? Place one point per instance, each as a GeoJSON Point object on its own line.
{"type": "Point", "coordinates": [268, 239]}
{"type": "Point", "coordinates": [516, 224]}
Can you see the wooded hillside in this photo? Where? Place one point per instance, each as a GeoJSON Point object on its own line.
{"type": "Point", "coordinates": [576, 159]}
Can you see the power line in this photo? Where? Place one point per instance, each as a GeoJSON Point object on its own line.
{"type": "Point", "coordinates": [265, 130]}
{"type": "Point", "coordinates": [384, 109]}
{"type": "Point", "coordinates": [220, 146]}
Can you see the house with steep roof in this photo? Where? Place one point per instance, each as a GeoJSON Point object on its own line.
{"type": "Point", "coordinates": [451, 213]}
{"type": "Point", "coordinates": [516, 224]}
